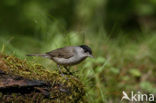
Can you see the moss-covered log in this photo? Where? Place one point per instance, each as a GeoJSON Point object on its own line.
{"type": "Point", "coordinates": [24, 82]}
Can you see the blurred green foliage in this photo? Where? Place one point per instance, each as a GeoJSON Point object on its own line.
{"type": "Point", "coordinates": [38, 17]}
{"type": "Point", "coordinates": [120, 32]}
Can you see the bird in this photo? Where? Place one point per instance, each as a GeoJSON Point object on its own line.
{"type": "Point", "coordinates": [67, 56]}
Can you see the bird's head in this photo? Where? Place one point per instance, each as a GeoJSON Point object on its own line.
{"type": "Point", "coordinates": [86, 51]}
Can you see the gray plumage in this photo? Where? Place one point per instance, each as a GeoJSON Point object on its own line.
{"type": "Point", "coordinates": [70, 55]}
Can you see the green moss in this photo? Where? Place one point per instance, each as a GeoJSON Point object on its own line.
{"type": "Point", "coordinates": [62, 88]}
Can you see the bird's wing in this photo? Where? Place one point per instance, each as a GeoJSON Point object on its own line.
{"type": "Point", "coordinates": [65, 52]}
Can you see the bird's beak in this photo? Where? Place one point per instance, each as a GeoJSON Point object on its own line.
{"type": "Point", "coordinates": [91, 56]}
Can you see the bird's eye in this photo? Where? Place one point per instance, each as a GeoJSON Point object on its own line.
{"type": "Point", "coordinates": [85, 51]}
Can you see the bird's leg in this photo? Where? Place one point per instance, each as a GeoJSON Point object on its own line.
{"type": "Point", "coordinates": [70, 73]}
{"type": "Point", "coordinates": [60, 69]}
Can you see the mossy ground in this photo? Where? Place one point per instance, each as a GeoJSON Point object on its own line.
{"type": "Point", "coordinates": [65, 89]}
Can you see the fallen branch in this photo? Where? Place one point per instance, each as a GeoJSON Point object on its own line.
{"type": "Point", "coordinates": [21, 81]}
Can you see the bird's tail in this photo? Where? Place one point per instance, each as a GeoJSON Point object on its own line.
{"type": "Point", "coordinates": [42, 55]}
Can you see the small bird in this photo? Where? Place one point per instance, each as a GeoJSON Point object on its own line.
{"type": "Point", "coordinates": [67, 56]}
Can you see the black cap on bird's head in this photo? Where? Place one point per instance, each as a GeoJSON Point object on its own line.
{"type": "Point", "coordinates": [86, 49]}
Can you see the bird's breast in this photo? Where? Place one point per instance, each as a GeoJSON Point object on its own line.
{"type": "Point", "coordinates": [69, 61]}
